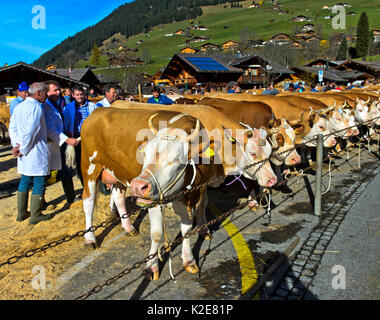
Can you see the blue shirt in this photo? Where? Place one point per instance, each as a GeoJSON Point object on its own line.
{"type": "Point", "coordinates": [314, 90]}
{"type": "Point", "coordinates": [14, 103]}
{"type": "Point", "coordinates": [162, 99]}
{"type": "Point", "coordinates": [231, 91]}
{"type": "Point", "coordinates": [82, 112]}
{"type": "Point", "coordinates": [73, 117]}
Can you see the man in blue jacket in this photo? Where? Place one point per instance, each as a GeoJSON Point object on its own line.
{"type": "Point", "coordinates": [73, 116]}
{"type": "Point", "coordinates": [159, 98]}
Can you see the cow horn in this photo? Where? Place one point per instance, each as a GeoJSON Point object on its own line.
{"type": "Point", "coordinates": [369, 98]}
{"type": "Point", "coordinates": [151, 126]}
{"type": "Point", "coordinates": [195, 132]}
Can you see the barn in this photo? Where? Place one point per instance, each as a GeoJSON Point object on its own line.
{"type": "Point", "coordinates": [188, 70]}
{"type": "Point", "coordinates": [11, 76]}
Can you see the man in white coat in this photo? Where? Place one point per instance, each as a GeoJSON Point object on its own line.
{"type": "Point", "coordinates": [28, 134]}
{"type": "Point", "coordinates": [110, 96]}
{"type": "Point", "coordinates": [57, 139]}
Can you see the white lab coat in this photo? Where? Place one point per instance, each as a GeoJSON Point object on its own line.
{"type": "Point", "coordinates": [28, 129]}
{"type": "Point", "coordinates": [103, 103]}
{"type": "Point", "coordinates": [56, 137]}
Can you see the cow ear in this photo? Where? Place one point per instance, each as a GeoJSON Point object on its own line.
{"type": "Point", "coordinates": [311, 119]}
{"type": "Point", "coordinates": [280, 140]}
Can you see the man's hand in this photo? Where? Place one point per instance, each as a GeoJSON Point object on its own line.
{"type": "Point", "coordinates": [16, 151]}
{"type": "Point", "coordinates": [72, 142]}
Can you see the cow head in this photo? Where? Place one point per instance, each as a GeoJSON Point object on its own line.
{"type": "Point", "coordinates": [361, 111]}
{"type": "Point", "coordinates": [338, 121]}
{"type": "Point", "coordinates": [165, 163]}
{"type": "Point", "coordinates": [282, 138]}
{"type": "Point", "coordinates": [255, 149]}
{"type": "Point", "coordinates": [348, 114]}
{"type": "Point", "coordinates": [318, 125]}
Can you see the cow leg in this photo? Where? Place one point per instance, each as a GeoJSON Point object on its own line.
{"type": "Point", "coordinates": [156, 231]}
{"type": "Point", "coordinates": [88, 206]}
{"type": "Point", "coordinates": [189, 263]}
{"type": "Point", "coordinates": [118, 195]}
{"type": "Point", "coordinates": [201, 216]}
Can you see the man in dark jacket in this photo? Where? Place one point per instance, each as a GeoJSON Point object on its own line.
{"type": "Point", "coordinates": [159, 98]}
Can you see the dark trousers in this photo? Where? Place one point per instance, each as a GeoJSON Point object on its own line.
{"type": "Point", "coordinates": [78, 155]}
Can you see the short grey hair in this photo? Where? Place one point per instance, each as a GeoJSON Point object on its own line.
{"type": "Point", "coordinates": [37, 87]}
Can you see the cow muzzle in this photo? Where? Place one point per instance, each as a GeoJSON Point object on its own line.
{"type": "Point", "coordinates": [141, 189]}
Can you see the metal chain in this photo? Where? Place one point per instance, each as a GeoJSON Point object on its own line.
{"type": "Point", "coordinates": [107, 223]}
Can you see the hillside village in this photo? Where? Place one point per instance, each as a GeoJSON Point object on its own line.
{"type": "Point", "coordinates": [251, 59]}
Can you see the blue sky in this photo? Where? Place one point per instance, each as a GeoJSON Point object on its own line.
{"type": "Point", "coordinates": [20, 41]}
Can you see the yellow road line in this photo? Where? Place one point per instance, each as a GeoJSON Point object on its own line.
{"type": "Point", "coordinates": [246, 261]}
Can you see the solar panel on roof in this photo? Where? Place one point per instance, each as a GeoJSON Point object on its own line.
{"type": "Point", "coordinates": [206, 64]}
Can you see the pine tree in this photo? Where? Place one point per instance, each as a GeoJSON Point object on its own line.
{"type": "Point", "coordinates": [342, 51]}
{"type": "Point", "coordinates": [95, 56]}
{"type": "Point", "coordinates": [362, 42]}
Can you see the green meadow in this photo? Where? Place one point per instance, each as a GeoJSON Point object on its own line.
{"type": "Point", "coordinates": [256, 20]}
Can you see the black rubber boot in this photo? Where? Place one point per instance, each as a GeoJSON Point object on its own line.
{"type": "Point", "coordinates": [36, 205]}
{"type": "Point", "coordinates": [22, 206]}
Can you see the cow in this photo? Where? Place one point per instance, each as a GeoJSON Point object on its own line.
{"type": "Point", "coordinates": [259, 115]}
{"type": "Point", "coordinates": [5, 117]}
{"type": "Point", "coordinates": [113, 153]}
{"type": "Point", "coordinates": [247, 153]}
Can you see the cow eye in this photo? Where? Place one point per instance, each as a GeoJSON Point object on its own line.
{"type": "Point", "coordinates": [253, 155]}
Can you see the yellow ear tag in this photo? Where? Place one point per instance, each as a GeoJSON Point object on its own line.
{"type": "Point", "coordinates": [141, 150]}
{"type": "Point", "coordinates": [195, 101]}
{"type": "Point", "coordinates": [209, 152]}
{"type": "Point", "coordinates": [232, 139]}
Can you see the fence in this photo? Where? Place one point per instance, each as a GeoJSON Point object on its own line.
{"type": "Point", "coordinates": [167, 247]}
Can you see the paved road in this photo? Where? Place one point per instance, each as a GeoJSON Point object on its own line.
{"type": "Point", "coordinates": [355, 251]}
{"type": "Point", "coordinates": [242, 247]}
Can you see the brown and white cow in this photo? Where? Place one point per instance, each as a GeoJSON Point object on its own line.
{"type": "Point", "coordinates": [113, 141]}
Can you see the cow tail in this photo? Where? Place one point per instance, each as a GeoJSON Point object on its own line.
{"type": "Point", "coordinates": [70, 156]}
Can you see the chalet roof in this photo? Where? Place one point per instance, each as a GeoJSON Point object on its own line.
{"type": "Point", "coordinates": [188, 59]}
{"type": "Point", "coordinates": [276, 67]}
{"type": "Point", "coordinates": [76, 73]}
{"type": "Point", "coordinates": [327, 74]}
{"type": "Point", "coordinates": [22, 69]}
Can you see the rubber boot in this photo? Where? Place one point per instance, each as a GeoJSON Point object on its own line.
{"type": "Point", "coordinates": [68, 189]}
{"type": "Point", "coordinates": [36, 204]}
{"type": "Point", "coordinates": [22, 206]}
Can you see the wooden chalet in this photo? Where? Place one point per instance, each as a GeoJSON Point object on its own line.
{"type": "Point", "coordinates": [369, 67]}
{"type": "Point", "coordinates": [207, 47]}
{"type": "Point", "coordinates": [189, 70]}
{"type": "Point", "coordinates": [230, 45]}
{"type": "Point", "coordinates": [189, 50]}
{"type": "Point", "coordinates": [280, 38]}
{"type": "Point", "coordinates": [180, 32]}
{"type": "Point", "coordinates": [12, 75]}
{"type": "Point", "coordinates": [197, 39]}
{"type": "Point", "coordinates": [79, 74]}
{"type": "Point", "coordinates": [259, 71]}
{"type": "Point", "coordinates": [300, 18]}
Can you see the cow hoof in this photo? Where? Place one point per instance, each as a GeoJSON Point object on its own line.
{"type": "Point", "coordinates": [242, 201]}
{"type": "Point", "coordinates": [151, 275]}
{"type": "Point", "coordinates": [132, 233]}
{"type": "Point", "coordinates": [191, 267]}
{"type": "Point", "coordinates": [206, 235]}
{"type": "Point", "coordinates": [90, 244]}
{"type": "Point", "coordinates": [253, 205]}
